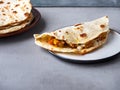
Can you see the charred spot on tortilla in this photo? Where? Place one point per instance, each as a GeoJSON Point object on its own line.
{"type": "Point", "coordinates": [15, 12]}
{"type": "Point", "coordinates": [26, 14]}
{"type": "Point", "coordinates": [27, 8]}
{"type": "Point", "coordinates": [8, 2]}
{"type": "Point", "coordinates": [83, 35]}
{"type": "Point", "coordinates": [55, 33]}
{"type": "Point", "coordinates": [59, 30]}
{"type": "Point", "coordinates": [79, 28]}
{"type": "Point", "coordinates": [4, 14]}
{"type": "Point", "coordinates": [17, 5]}
{"type": "Point", "coordinates": [102, 26]}
{"type": "Point", "coordinates": [67, 32]}
{"type": "Point", "coordinates": [1, 2]}
{"type": "Point", "coordinates": [77, 24]}
{"type": "Point", "coordinates": [106, 16]}
{"type": "Point", "coordinates": [16, 20]}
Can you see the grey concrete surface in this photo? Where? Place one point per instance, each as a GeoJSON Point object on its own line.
{"type": "Point", "coordinates": [76, 2]}
{"type": "Point", "coordinates": [25, 66]}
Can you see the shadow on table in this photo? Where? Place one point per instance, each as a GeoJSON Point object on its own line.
{"type": "Point", "coordinates": [39, 27]}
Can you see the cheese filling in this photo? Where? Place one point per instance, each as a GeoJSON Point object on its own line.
{"type": "Point", "coordinates": [63, 44]}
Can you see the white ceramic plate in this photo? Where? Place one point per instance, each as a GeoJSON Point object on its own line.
{"type": "Point", "coordinates": [111, 48]}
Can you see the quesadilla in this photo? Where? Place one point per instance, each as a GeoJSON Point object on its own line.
{"type": "Point", "coordinates": [80, 38]}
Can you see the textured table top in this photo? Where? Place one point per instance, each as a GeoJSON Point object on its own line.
{"type": "Point", "coordinates": [25, 66]}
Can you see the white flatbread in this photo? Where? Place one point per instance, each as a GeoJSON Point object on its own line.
{"type": "Point", "coordinates": [14, 11]}
{"type": "Point", "coordinates": [17, 27]}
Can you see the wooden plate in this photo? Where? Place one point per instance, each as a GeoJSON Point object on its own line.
{"type": "Point", "coordinates": [37, 17]}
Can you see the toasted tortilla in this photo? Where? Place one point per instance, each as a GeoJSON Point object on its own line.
{"type": "Point", "coordinates": [14, 11]}
{"type": "Point", "coordinates": [14, 28]}
{"type": "Point", "coordinates": [80, 38]}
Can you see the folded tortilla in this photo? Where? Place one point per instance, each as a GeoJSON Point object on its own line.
{"type": "Point", "coordinates": [80, 38]}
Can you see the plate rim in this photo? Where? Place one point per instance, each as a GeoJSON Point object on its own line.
{"type": "Point", "coordinates": [87, 60]}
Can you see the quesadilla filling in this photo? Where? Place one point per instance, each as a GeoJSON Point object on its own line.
{"type": "Point", "coordinates": [59, 43]}
{"type": "Point", "coordinates": [63, 44]}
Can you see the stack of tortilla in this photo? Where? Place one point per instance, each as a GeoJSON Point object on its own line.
{"type": "Point", "coordinates": [14, 15]}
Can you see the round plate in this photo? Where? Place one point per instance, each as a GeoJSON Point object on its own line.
{"type": "Point", "coordinates": [111, 48]}
{"type": "Point", "coordinates": [36, 19]}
